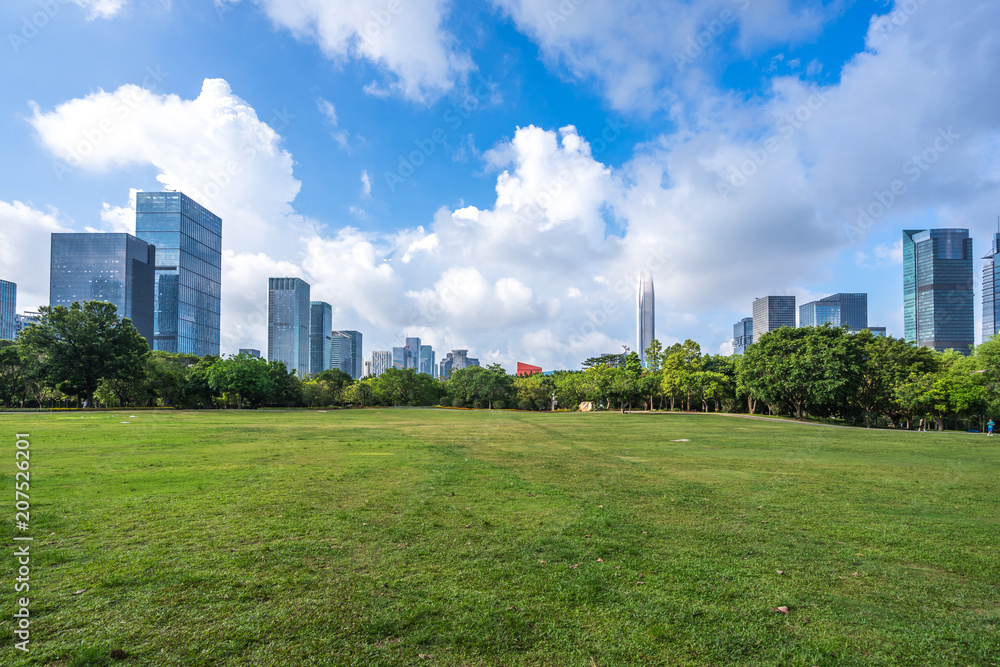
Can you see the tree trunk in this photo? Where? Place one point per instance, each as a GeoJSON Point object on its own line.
{"type": "Point", "coordinates": [939, 422]}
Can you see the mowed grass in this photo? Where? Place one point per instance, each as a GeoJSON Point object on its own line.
{"type": "Point", "coordinates": [438, 537]}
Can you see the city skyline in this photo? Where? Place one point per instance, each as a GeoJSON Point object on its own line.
{"type": "Point", "coordinates": [475, 169]}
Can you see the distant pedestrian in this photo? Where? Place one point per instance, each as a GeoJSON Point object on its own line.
{"type": "Point", "coordinates": [922, 427]}
{"type": "Point", "coordinates": [989, 427]}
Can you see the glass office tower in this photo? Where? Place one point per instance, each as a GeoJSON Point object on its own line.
{"type": "Point", "coordinates": [188, 240]}
{"type": "Point", "coordinates": [845, 309]}
{"type": "Point", "coordinates": [320, 336]}
{"type": "Point", "coordinates": [938, 306]}
{"type": "Point", "coordinates": [644, 315]}
{"type": "Point", "coordinates": [288, 315]}
{"type": "Point", "coordinates": [117, 268]}
{"type": "Point", "coordinates": [991, 290]}
{"type": "Point", "coordinates": [427, 364]}
{"type": "Point", "coordinates": [347, 353]}
{"type": "Point", "coordinates": [8, 308]}
{"type": "Point", "coordinates": [772, 312]}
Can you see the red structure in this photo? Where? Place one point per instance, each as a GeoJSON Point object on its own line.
{"type": "Point", "coordinates": [527, 369]}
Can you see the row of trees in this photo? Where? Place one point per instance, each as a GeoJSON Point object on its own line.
{"type": "Point", "coordinates": [85, 353]}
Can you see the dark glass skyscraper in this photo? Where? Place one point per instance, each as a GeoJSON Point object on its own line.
{"type": "Point", "coordinates": [8, 310]}
{"type": "Point", "coordinates": [772, 312]}
{"type": "Point", "coordinates": [938, 307]}
{"type": "Point", "coordinates": [117, 268]}
{"type": "Point", "coordinates": [188, 240]}
{"type": "Point", "coordinates": [288, 319]}
{"type": "Point", "coordinates": [645, 315]}
{"type": "Point", "coordinates": [320, 336]}
{"type": "Point", "coordinates": [991, 290]}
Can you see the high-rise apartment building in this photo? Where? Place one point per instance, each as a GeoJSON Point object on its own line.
{"type": "Point", "coordinates": [772, 312]}
{"type": "Point", "coordinates": [188, 281]}
{"type": "Point", "coordinates": [742, 335]}
{"type": "Point", "coordinates": [850, 310]}
{"type": "Point", "coordinates": [320, 336]}
{"type": "Point", "coordinates": [288, 320]}
{"type": "Point", "coordinates": [116, 268]}
{"type": "Point", "coordinates": [938, 306]}
{"type": "Point", "coordinates": [644, 315]}
{"type": "Point", "coordinates": [381, 362]}
{"type": "Point", "coordinates": [991, 290]}
{"type": "Point", "coordinates": [8, 310]}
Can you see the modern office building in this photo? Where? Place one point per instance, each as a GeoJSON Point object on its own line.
{"type": "Point", "coordinates": [399, 358]}
{"type": "Point", "coordinates": [412, 348]}
{"type": "Point", "coordinates": [116, 268]}
{"type": "Point", "coordinates": [772, 312]}
{"type": "Point", "coordinates": [320, 336]}
{"type": "Point", "coordinates": [991, 290]}
{"type": "Point", "coordinates": [938, 293]}
{"type": "Point", "coordinates": [8, 310]}
{"type": "Point", "coordinates": [456, 360]}
{"type": "Point", "coordinates": [644, 315]}
{"type": "Point", "coordinates": [26, 319]}
{"type": "Point", "coordinates": [524, 370]}
{"type": "Point", "coordinates": [381, 362]}
{"type": "Point", "coordinates": [288, 319]}
{"type": "Point", "coordinates": [427, 364]}
{"type": "Point", "coordinates": [850, 310]}
{"type": "Point", "coordinates": [251, 351]}
{"type": "Point", "coordinates": [188, 281]}
{"type": "Point", "coordinates": [742, 335]}
{"type": "Point", "coordinates": [347, 354]}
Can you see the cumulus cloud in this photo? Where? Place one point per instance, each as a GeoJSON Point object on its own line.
{"type": "Point", "coordinates": [213, 148]}
{"type": "Point", "coordinates": [24, 250]}
{"type": "Point", "coordinates": [406, 39]}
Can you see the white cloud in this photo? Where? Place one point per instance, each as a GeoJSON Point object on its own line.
{"type": "Point", "coordinates": [366, 184]}
{"type": "Point", "coordinates": [213, 148]}
{"type": "Point", "coordinates": [24, 250]}
{"type": "Point", "coordinates": [103, 9]}
{"type": "Point", "coordinates": [646, 53]}
{"type": "Point", "coordinates": [405, 38]}
{"type": "Point", "coordinates": [330, 114]}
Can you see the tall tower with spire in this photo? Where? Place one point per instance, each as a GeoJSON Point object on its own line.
{"type": "Point", "coordinates": [644, 314]}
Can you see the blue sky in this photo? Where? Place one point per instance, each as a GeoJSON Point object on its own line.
{"type": "Point", "coordinates": [493, 175]}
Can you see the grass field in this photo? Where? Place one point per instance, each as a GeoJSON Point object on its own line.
{"type": "Point", "coordinates": [439, 537]}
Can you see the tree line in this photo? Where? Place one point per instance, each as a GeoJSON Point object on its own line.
{"type": "Point", "coordinates": [86, 354]}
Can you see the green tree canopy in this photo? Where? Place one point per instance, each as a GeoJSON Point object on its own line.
{"type": "Point", "coordinates": [78, 347]}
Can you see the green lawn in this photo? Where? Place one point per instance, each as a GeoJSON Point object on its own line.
{"type": "Point", "coordinates": [440, 537]}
